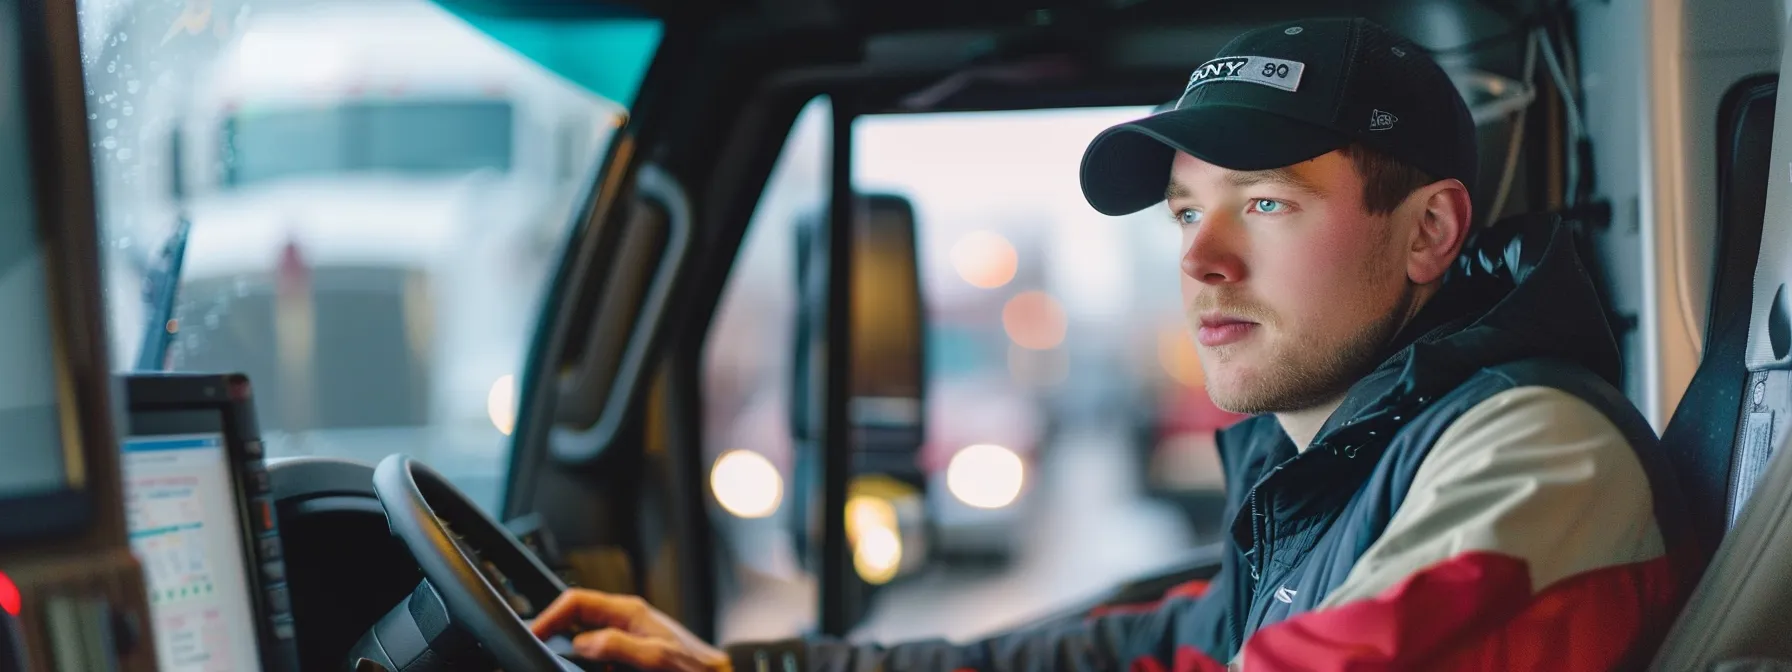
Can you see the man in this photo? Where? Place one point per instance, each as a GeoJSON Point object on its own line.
{"type": "Point", "coordinates": [1441, 475]}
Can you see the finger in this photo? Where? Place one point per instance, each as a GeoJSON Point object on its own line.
{"type": "Point", "coordinates": [580, 609]}
{"type": "Point", "coordinates": [713, 660]}
{"type": "Point", "coordinates": [555, 617]}
{"type": "Point", "coordinates": [643, 653]}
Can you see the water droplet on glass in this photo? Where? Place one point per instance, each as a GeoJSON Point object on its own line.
{"type": "Point", "coordinates": [110, 123]}
{"type": "Point", "coordinates": [242, 287]}
{"type": "Point", "coordinates": [124, 242]}
{"type": "Point", "coordinates": [124, 154]}
{"type": "Point", "coordinates": [124, 37]}
{"type": "Point", "coordinates": [212, 319]}
{"type": "Point", "coordinates": [133, 85]}
{"type": "Point", "coordinates": [94, 115]}
{"type": "Point", "coordinates": [112, 67]}
{"type": "Point", "coordinates": [128, 109]}
{"type": "Point", "coordinates": [109, 142]}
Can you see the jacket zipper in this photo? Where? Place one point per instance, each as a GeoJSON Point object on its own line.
{"type": "Point", "coordinates": [1257, 544]}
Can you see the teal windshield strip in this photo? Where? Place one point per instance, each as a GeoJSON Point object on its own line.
{"type": "Point", "coordinates": [608, 57]}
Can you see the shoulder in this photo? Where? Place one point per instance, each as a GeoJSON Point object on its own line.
{"type": "Point", "coordinates": [1539, 471]}
{"type": "Point", "coordinates": [1538, 413]}
{"type": "Point", "coordinates": [1531, 473]}
{"type": "Point", "coordinates": [1519, 419]}
{"type": "Point", "coordinates": [1536, 436]}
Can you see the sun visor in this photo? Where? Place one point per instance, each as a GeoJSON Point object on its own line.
{"type": "Point", "coordinates": [1770, 315]}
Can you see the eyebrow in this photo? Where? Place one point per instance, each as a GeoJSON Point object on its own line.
{"type": "Point", "coordinates": [1175, 191]}
{"type": "Point", "coordinates": [1281, 176]}
{"type": "Point", "coordinates": [1240, 180]}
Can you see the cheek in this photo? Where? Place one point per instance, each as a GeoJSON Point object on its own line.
{"type": "Point", "coordinates": [1323, 280]}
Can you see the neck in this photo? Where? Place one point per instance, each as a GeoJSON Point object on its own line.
{"type": "Point", "coordinates": [1303, 425]}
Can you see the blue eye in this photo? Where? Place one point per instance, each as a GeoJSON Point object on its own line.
{"type": "Point", "coordinates": [1188, 216]}
{"type": "Point", "coordinates": [1267, 206]}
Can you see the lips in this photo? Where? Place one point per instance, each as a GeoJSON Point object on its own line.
{"type": "Point", "coordinates": [1217, 329]}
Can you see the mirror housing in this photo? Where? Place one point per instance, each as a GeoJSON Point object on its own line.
{"type": "Point", "coordinates": [888, 392]}
{"type": "Point", "coordinates": [889, 333]}
{"type": "Point", "coordinates": [888, 339]}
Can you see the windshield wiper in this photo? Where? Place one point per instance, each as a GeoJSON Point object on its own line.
{"type": "Point", "coordinates": [161, 287]}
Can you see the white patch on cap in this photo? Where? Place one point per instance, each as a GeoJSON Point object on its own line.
{"type": "Point", "coordinates": [1273, 72]}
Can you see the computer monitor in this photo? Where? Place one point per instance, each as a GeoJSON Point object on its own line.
{"type": "Point", "coordinates": [200, 519]}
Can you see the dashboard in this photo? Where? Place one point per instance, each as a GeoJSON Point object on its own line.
{"type": "Point", "coordinates": [345, 568]}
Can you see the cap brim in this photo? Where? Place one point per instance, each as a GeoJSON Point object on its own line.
{"type": "Point", "coordinates": [1127, 167]}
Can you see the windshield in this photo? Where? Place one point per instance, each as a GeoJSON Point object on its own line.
{"type": "Point", "coordinates": [401, 137]}
{"type": "Point", "coordinates": [357, 204]}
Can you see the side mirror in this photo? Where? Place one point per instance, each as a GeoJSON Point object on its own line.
{"type": "Point", "coordinates": [888, 387]}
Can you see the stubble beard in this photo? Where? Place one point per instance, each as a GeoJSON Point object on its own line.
{"type": "Point", "coordinates": [1300, 373]}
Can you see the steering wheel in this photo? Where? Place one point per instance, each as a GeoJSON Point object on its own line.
{"type": "Point", "coordinates": [456, 610]}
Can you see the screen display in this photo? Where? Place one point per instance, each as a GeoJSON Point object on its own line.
{"type": "Point", "coordinates": [182, 511]}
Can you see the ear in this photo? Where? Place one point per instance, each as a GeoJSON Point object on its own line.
{"type": "Point", "coordinates": [1443, 216]}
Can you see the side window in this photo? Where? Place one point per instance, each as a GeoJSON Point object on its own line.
{"type": "Point", "coordinates": [1070, 440]}
{"type": "Point", "coordinates": [766, 591]}
{"type": "Point", "coordinates": [373, 197]}
{"type": "Point", "coordinates": [1058, 360]}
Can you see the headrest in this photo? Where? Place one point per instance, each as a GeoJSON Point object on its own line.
{"type": "Point", "coordinates": [1770, 317]}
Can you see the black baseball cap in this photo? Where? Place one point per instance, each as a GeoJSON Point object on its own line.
{"type": "Point", "coordinates": [1277, 96]}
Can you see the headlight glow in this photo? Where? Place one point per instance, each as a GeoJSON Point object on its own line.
{"type": "Point", "coordinates": [877, 554]}
{"type": "Point", "coordinates": [746, 484]}
{"type": "Point", "coordinates": [985, 476]}
{"type": "Point", "coordinates": [500, 403]}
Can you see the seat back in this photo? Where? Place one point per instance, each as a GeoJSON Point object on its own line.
{"type": "Point", "coordinates": [1701, 438]}
{"type": "Point", "coordinates": [1738, 408]}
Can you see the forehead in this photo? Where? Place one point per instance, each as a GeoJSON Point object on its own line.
{"type": "Point", "coordinates": [1324, 176]}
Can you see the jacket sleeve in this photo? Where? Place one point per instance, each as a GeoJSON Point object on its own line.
{"type": "Point", "coordinates": [1175, 635]}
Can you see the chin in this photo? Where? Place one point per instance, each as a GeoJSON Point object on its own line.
{"type": "Point", "coordinates": [1238, 387]}
{"type": "Point", "coordinates": [1226, 393]}
{"type": "Point", "coordinates": [1235, 403]}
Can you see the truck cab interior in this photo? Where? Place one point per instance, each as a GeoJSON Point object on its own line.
{"type": "Point", "coordinates": [577, 233]}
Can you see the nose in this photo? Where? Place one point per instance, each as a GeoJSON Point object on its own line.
{"type": "Point", "coordinates": [1210, 252]}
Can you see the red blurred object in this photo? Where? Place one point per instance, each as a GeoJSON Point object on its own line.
{"type": "Point", "coordinates": [10, 599]}
{"type": "Point", "coordinates": [294, 274]}
{"type": "Point", "coordinates": [1187, 410]}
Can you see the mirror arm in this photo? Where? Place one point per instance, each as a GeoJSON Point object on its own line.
{"type": "Point", "coordinates": [836, 393]}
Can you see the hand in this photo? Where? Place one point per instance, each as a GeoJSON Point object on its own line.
{"type": "Point", "coordinates": [624, 629]}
